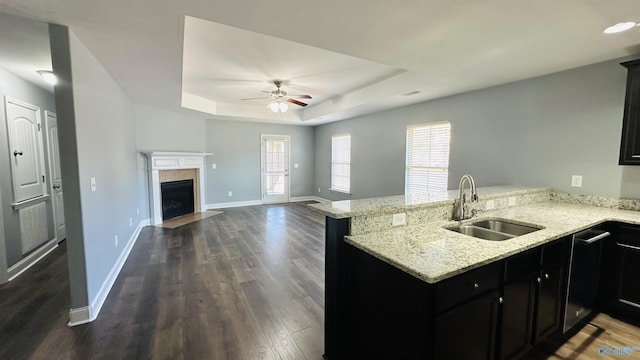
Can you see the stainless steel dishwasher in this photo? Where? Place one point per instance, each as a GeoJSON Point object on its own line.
{"type": "Point", "coordinates": [584, 267]}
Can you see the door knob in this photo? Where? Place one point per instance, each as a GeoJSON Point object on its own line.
{"type": "Point", "coordinates": [16, 153]}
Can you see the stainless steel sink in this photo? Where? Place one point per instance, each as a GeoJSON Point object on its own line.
{"type": "Point", "coordinates": [494, 229]}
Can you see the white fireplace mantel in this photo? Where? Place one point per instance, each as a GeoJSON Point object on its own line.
{"type": "Point", "coordinates": [172, 161]}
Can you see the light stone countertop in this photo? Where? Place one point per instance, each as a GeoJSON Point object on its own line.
{"type": "Point", "coordinates": [432, 253]}
{"type": "Point", "coordinates": [393, 204]}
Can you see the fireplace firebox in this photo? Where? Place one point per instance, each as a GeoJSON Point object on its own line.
{"type": "Point", "coordinates": [177, 198]}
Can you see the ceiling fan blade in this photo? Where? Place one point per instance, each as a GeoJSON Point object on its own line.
{"type": "Point", "coordinates": [264, 97]}
{"type": "Point", "coordinates": [302, 96]}
{"type": "Point", "coordinates": [299, 103]}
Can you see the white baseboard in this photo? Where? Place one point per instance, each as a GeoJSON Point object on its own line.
{"type": "Point", "coordinates": [308, 198]}
{"type": "Point", "coordinates": [259, 202]}
{"type": "Point", "coordinates": [233, 204]}
{"type": "Point", "coordinates": [24, 264]}
{"type": "Point", "coordinates": [86, 314]}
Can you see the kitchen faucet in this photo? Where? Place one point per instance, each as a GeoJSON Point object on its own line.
{"type": "Point", "coordinates": [459, 205]}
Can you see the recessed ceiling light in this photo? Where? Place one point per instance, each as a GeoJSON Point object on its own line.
{"type": "Point", "coordinates": [619, 27]}
{"type": "Point", "coordinates": [48, 76]}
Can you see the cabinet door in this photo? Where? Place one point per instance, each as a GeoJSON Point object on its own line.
{"type": "Point", "coordinates": [549, 304]}
{"type": "Point", "coordinates": [630, 143]}
{"type": "Point", "coordinates": [628, 292]}
{"type": "Point", "coordinates": [517, 316]}
{"type": "Point", "coordinates": [469, 330]}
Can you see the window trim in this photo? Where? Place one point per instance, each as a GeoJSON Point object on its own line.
{"type": "Point", "coordinates": [331, 185]}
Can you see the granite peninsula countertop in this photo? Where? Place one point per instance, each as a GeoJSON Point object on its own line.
{"type": "Point", "coordinates": [432, 253]}
{"type": "Point", "coordinates": [393, 204]}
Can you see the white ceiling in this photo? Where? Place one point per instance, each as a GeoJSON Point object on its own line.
{"type": "Point", "coordinates": [353, 57]}
{"type": "Point", "coordinates": [24, 48]}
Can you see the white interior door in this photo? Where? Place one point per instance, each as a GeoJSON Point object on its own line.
{"type": "Point", "coordinates": [275, 168]}
{"type": "Point", "coordinates": [55, 174]}
{"type": "Point", "coordinates": [26, 154]}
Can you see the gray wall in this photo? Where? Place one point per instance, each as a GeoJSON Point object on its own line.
{"type": "Point", "coordinates": [102, 117]}
{"type": "Point", "coordinates": [235, 147]}
{"type": "Point", "coordinates": [535, 132]}
{"type": "Point", "coordinates": [163, 130]}
{"type": "Point", "coordinates": [15, 87]}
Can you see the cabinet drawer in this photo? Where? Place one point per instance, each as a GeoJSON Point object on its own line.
{"type": "Point", "coordinates": [555, 252]}
{"type": "Point", "coordinates": [463, 287]}
{"type": "Point", "coordinates": [519, 265]}
{"type": "Point", "coordinates": [629, 235]}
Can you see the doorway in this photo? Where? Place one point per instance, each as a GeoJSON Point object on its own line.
{"type": "Point", "coordinates": [275, 168]}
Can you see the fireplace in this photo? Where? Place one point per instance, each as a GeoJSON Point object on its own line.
{"type": "Point", "coordinates": [177, 198]}
{"type": "Point", "coordinates": [168, 167]}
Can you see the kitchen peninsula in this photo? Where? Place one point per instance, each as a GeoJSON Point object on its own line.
{"type": "Point", "coordinates": [388, 288]}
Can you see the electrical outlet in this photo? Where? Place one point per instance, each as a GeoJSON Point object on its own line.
{"type": "Point", "coordinates": [318, 189]}
{"type": "Point", "coordinates": [214, 166]}
{"type": "Point", "coordinates": [116, 237]}
{"type": "Point", "coordinates": [576, 180]}
{"type": "Point", "coordinates": [93, 184]}
{"type": "Point", "coordinates": [399, 219]}
{"type": "Point", "coordinates": [130, 222]}
{"type": "Point", "coordinates": [138, 211]}
{"type": "Point", "coordinates": [230, 193]}
{"type": "Point", "coordinates": [491, 204]}
{"type": "Point", "coordinates": [512, 201]}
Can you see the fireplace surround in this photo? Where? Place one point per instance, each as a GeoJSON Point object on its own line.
{"type": "Point", "coordinates": [175, 166]}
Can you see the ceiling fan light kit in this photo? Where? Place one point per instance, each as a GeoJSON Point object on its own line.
{"type": "Point", "coordinates": [279, 99]}
{"type": "Point", "coordinates": [278, 106]}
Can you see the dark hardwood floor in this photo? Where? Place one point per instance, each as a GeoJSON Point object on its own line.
{"type": "Point", "coordinates": [246, 284]}
{"type": "Point", "coordinates": [601, 332]}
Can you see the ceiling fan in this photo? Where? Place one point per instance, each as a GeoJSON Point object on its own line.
{"type": "Point", "coordinates": [279, 98]}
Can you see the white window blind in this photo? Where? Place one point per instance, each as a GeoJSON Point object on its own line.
{"type": "Point", "coordinates": [341, 163]}
{"type": "Point", "coordinates": [427, 159]}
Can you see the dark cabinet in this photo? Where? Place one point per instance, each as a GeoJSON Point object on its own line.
{"type": "Point", "coordinates": [468, 331]}
{"type": "Point", "coordinates": [549, 306]}
{"type": "Point", "coordinates": [552, 280]}
{"type": "Point", "coordinates": [517, 316]}
{"type": "Point", "coordinates": [496, 311]}
{"type": "Point", "coordinates": [533, 294]}
{"type": "Point", "coordinates": [623, 285]}
{"type": "Point", "coordinates": [629, 288]}
{"type": "Point", "coordinates": [519, 299]}
{"type": "Point", "coordinates": [630, 144]}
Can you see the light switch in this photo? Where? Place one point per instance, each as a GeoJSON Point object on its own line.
{"type": "Point", "coordinates": [295, 165]}
{"type": "Point", "coordinates": [213, 166]}
{"type": "Point", "coordinates": [93, 184]}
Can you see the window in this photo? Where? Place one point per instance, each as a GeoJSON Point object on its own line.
{"type": "Point", "coordinates": [341, 163]}
{"type": "Point", "coordinates": [427, 159]}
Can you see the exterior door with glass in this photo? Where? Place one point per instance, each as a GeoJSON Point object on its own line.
{"type": "Point", "coordinates": [275, 168]}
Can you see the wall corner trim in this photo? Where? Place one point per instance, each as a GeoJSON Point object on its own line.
{"type": "Point", "coordinates": [89, 313]}
{"type": "Point", "coordinates": [79, 316]}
